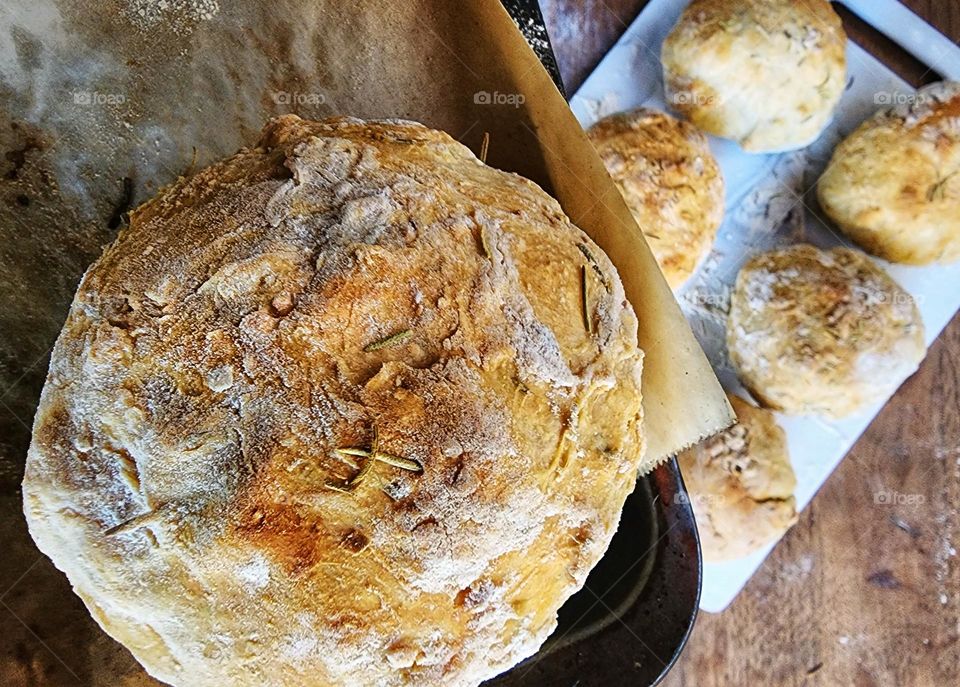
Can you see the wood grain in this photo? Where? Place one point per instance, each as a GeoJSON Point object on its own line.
{"type": "Point", "coordinates": [865, 589]}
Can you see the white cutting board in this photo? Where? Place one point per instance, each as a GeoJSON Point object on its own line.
{"type": "Point", "coordinates": [765, 211]}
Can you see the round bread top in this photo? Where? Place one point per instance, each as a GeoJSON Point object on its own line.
{"type": "Point", "coordinates": [765, 73]}
{"type": "Point", "coordinates": [894, 184]}
{"type": "Point", "coordinates": [813, 331]}
{"type": "Point", "coordinates": [740, 483]}
{"type": "Point", "coordinates": [670, 181]}
{"type": "Point", "coordinates": [329, 413]}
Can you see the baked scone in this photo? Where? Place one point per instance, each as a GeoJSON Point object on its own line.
{"type": "Point", "coordinates": [765, 73]}
{"type": "Point", "coordinates": [893, 185]}
{"type": "Point", "coordinates": [740, 483]}
{"type": "Point", "coordinates": [670, 181]}
{"type": "Point", "coordinates": [821, 332]}
{"type": "Point", "coordinates": [330, 413]}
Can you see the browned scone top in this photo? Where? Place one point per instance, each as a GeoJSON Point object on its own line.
{"type": "Point", "coordinates": [824, 332]}
{"type": "Point", "coordinates": [893, 185]}
{"type": "Point", "coordinates": [670, 181]}
{"type": "Point", "coordinates": [345, 284]}
{"type": "Point", "coordinates": [741, 485]}
{"type": "Point", "coordinates": [765, 73]}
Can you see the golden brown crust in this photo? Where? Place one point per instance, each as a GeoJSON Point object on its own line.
{"type": "Point", "coordinates": [740, 483]}
{"type": "Point", "coordinates": [765, 73]}
{"type": "Point", "coordinates": [828, 332]}
{"type": "Point", "coordinates": [670, 181]}
{"type": "Point", "coordinates": [346, 284]}
{"type": "Point", "coordinates": [893, 185]}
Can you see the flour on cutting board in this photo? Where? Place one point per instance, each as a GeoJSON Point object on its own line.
{"type": "Point", "coordinates": [770, 202]}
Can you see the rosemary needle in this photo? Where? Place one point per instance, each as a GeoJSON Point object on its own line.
{"type": "Point", "coordinates": [136, 522]}
{"type": "Point", "coordinates": [373, 455]}
{"type": "Point", "coordinates": [398, 462]}
{"type": "Point", "coordinates": [587, 254]}
{"type": "Point", "coordinates": [392, 340]}
{"type": "Point", "coordinates": [584, 300]}
{"type": "Point", "coordinates": [359, 452]}
{"type": "Point", "coordinates": [387, 458]}
{"type": "Point", "coordinates": [360, 476]}
{"type": "Point", "coordinates": [594, 264]}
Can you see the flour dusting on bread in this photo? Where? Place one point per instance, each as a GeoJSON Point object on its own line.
{"type": "Point", "coordinates": [327, 413]}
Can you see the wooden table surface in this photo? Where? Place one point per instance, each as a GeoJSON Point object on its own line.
{"type": "Point", "coordinates": [859, 592]}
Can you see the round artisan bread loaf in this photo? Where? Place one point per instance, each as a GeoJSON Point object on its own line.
{"type": "Point", "coordinates": [740, 483]}
{"type": "Point", "coordinates": [669, 180]}
{"type": "Point", "coordinates": [893, 185]}
{"type": "Point", "coordinates": [330, 413]}
{"type": "Point", "coordinates": [765, 73]}
{"type": "Point", "coordinates": [825, 332]}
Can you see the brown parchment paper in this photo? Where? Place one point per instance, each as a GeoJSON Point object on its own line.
{"type": "Point", "coordinates": [101, 103]}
